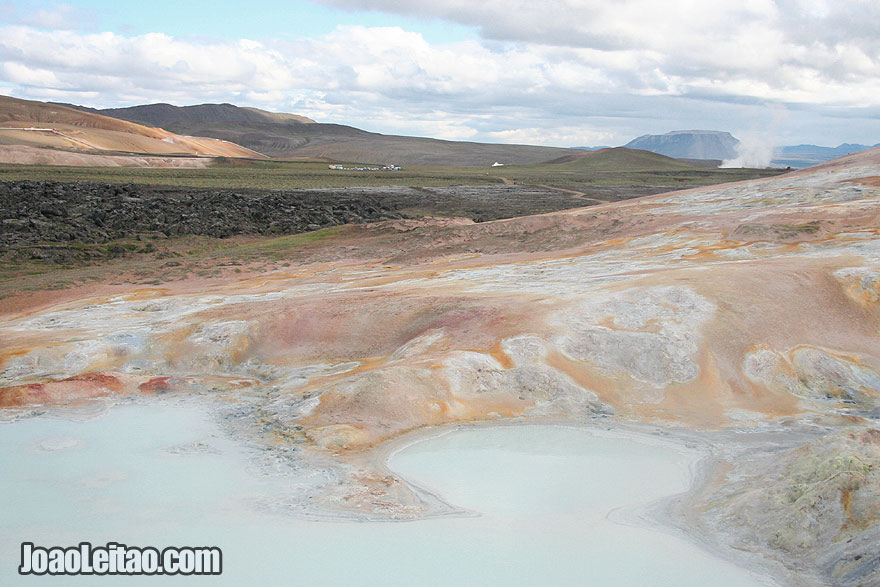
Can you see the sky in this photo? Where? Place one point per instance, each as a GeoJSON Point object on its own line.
{"type": "Point", "coordinates": [547, 72]}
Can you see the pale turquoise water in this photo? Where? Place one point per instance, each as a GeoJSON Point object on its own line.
{"type": "Point", "coordinates": [543, 494]}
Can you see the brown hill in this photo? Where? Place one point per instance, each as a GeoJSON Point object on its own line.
{"type": "Point", "coordinates": [622, 158]}
{"type": "Point", "coordinates": [291, 136]}
{"type": "Point", "coordinates": [55, 126]}
{"type": "Point", "coordinates": [167, 116]}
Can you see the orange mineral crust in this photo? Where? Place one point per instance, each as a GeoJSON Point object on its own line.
{"type": "Point", "coordinates": [716, 307]}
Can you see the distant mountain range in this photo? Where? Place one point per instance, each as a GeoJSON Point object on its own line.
{"type": "Point", "coordinates": [54, 133]}
{"type": "Point", "coordinates": [287, 136]}
{"type": "Point", "coordinates": [251, 132]}
{"type": "Point", "coordinates": [799, 156]}
{"type": "Point", "coordinates": [720, 145]}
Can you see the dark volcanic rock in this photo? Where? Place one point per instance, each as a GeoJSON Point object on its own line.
{"type": "Point", "coordinates": [78, 217]}
{"type": "Point", "coordinates": [46, 212]}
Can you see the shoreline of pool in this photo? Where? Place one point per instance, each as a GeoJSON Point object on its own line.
{"type": "Point", "coordinates": [673, 514]}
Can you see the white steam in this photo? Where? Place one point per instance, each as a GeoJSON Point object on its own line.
{"type": "Point", "coordinates": [753, 150]}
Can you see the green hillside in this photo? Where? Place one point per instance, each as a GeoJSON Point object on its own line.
{"type": "Point", "coordinates": [620, 159]}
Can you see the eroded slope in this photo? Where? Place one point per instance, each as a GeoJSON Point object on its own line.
{"type": "Point", "coordinates": [46, 133]}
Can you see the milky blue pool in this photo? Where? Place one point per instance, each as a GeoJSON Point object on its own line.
{"type": "Point", "coordinates": [550, 504]}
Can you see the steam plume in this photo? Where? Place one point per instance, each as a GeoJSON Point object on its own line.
{"type": "Point", "coordinates": [754, 150]}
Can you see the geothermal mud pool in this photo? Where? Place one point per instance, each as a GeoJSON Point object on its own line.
{"type": "Point", "coordinates": [533, 503]}
{"type": "Point", "coordinates": [742, 318]}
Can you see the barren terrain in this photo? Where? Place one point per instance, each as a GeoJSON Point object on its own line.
{"type": "Point", "coordinates": [745, 315]}
{"type": "Point", "coordinates": [51, 130]}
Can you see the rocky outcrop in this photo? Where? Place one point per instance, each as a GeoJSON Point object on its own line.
{"type": "Point", "coordinates": [819, 502]}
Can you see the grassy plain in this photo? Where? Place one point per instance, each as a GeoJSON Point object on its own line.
{"type": "Point", "coordinates": [273, 175]}
{"type": "Point", "coordinates": [580, 175]}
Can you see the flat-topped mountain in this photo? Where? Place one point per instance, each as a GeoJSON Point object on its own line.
{"type": "Point", "coordinates": [689, 144]}
{"type": "Point", "coordinates": [719, 145]}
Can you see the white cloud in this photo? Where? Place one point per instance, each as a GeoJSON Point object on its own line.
{"type": "Point", "coordinates": [749, 40]}
{"type": "Point", "coordinates": [151, 59]}
{"type": "Point", "coordinates": [18, 73]}
{"type": "Point", "coordinates": [574, 72]}
{"type": "Point", "coordinates": [575, 137]}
